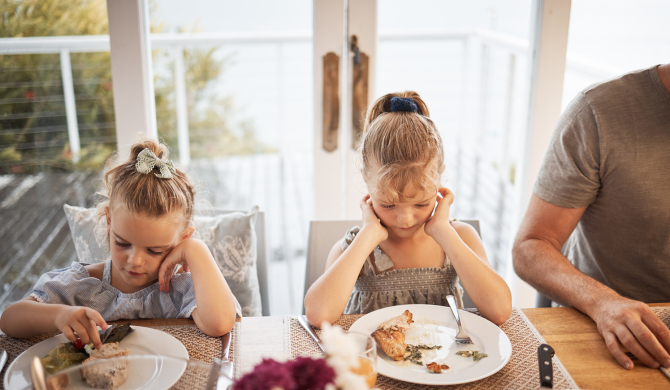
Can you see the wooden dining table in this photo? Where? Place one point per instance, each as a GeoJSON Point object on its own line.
{"type": "Point", "coordinates": [573, 336]}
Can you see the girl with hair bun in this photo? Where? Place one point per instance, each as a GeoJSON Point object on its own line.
{"type": "Point", "coordinates": [408, 251]}
{"type": "Point", "coordinates": [148, 205]}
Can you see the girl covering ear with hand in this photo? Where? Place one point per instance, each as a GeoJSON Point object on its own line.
{"type": "Point", "coordinates": [405, 253]}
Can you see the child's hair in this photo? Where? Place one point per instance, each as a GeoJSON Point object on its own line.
{"type": "Point", "coordinates": [139, 193]}
{"type": "Point", "coordinates": [400, 148]}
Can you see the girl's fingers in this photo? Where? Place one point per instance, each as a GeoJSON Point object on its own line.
{"type": "Point", "coordinates": [97, 319]}
{"type": "Point", "coordinates": [364, 201]}
{"type": "Point", "coordinates": [69, 333]}
{"type": "Point", "coordinates": [165, 286]}
{"type": "Point", "coordinates": [80, 330]}
{"type": "Point", "coordinates": [93, 334]}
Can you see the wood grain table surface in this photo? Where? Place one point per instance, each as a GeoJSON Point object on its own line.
{"type": "Point", "coordinates": [573, 336]}
{"type": "Point", "coordinates": [582, 350]}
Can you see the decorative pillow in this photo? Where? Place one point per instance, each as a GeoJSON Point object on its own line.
{"type": "Point", "coordinates": [230, 237]}
{"type": "Point", "coordinates": [88, 234]}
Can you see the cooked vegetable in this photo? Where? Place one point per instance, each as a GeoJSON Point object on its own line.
{"type": "Point", "coordinates": [68, 354]}
{"type": "Point", "coordinates": [62, 357]}
{"type": "Point", "coordinates": [413, 353]}
{"type": "Point", "coordinates": [476, 355]}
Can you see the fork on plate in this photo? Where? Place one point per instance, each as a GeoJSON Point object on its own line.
{"type": "Point", "coordinates": [461, 337]}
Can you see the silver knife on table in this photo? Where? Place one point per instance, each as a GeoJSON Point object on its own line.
{"type": "Point", "coordinates": [226, 364]}
{"type": "Point", "coordinates": [3, 359]}
{"type": "Point", "coordinates": [308, 327]}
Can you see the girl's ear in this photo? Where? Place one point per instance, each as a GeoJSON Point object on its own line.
{"type": "Point", "coordinates": [188, 233]}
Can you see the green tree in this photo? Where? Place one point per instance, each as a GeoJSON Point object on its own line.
{"type": "Point", "coordinates": [33, 126]}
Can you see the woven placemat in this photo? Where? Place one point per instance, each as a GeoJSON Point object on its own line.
{"type": "Point", "coordinates": [522, 371]}
{"type": "Point", "coordinates": [199, 346]}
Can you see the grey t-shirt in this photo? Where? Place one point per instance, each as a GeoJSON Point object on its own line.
{"type": "Point", "coordinates": [611, 151]}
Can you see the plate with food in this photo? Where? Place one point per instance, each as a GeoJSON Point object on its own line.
{"type": "Point", "coordinates": [58, 353]}
{"type": "Point", "coordinates": [416, 343]}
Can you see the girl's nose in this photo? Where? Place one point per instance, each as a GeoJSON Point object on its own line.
{"type": "Point", "coordinates": [136, 259]}
{"type": "Point", "coordinates": [404, 217]}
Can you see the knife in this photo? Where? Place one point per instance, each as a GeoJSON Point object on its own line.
{"type": "Point", "coordinates": [306, 325]}
{"type": "Point", "coordinates": [226, 364]}
{"type": "Point", "coordinates": [544, 355]}
{"type": "Point", "coordinates": [3, 359]}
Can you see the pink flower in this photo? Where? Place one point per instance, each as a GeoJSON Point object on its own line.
{"type": "Point", "coordinates": [303, 373]}
{"type": "Point", "coordinates": [311, 374]}
{"type": "Point", "coordinates": [267, 375]}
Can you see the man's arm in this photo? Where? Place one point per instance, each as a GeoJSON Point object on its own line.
{"type": "Point", "coordinates": [538, 260]}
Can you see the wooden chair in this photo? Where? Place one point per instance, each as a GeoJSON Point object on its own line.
{"type": "Point", "coordinates": [324, 234]}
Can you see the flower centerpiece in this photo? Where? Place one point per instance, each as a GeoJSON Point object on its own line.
{"type": "Point", "coordinates": [341, 368]}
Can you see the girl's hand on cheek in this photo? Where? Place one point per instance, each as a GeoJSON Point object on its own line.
{"type": "Point", "coordinates": [371, 221]}
{"type": "Point", "coordinates": [440, 218]}
{"type": "Point", "coordinates": [176, 256]}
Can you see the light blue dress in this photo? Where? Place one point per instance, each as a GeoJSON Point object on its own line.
{"type": "Point", "coordinates": [74, 286]}
{"type": "Point", "coordinates": [374, 291]}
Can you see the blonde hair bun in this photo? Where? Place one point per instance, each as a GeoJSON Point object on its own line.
{"type": "Point", "coordinates": [401, 146]}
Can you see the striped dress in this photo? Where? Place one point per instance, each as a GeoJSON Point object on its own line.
{"type": "Point", "coordinates": [74, 286]}
{"type": "Point", "coordinates": [374, 291]}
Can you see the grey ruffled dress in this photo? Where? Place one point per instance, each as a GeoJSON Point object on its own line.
{"type": "Point", "coordinates": [374, 291]}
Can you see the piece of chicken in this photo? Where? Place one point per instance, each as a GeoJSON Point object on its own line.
{"type": "Point", "coordinates": [391, 342]}
{"type": "Point", "coordinates": [400, 323]}
{"type": "Point", "coordinates": [390, 337]}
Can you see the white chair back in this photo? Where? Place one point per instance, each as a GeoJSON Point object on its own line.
{"type": "Point", "coordinates": [324, 234]}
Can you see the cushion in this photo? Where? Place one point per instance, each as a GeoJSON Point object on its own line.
{"type": "Point", "coordinates": [230, 237]}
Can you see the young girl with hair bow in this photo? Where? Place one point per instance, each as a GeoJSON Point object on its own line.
{"type": "Point", "coordinates": [148, 206]}
{"type": "Point", "coordinates": [408, 251]}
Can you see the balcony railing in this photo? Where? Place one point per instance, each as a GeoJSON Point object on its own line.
{"type": "Point", "coordinates": [485, 192]}
{"type": "Point", "coordinates": [177, 42]}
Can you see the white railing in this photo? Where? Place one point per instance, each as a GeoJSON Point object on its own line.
{"type": "Point", "coordinates": [177, 42]}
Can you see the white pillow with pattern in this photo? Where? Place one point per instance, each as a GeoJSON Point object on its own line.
{"type": "Point", "coordinates": [230, 237]}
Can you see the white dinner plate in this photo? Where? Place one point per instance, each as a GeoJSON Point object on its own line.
{"type": "Point", "coordinates": [156, 374]}
{"type": "Point", "coordinates": [435, 325]}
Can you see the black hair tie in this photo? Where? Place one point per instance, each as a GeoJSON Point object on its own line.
{"type": "Point", "coordinates": [403, 104]}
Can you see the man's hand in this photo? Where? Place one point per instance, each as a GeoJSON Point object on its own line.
{"type": "Point", "coordinates": [82, 321]}
{"type": "Point", "coordinates": [633, 324]}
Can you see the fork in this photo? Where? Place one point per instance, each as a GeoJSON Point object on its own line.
{"type": "Point", "coordinates": [461, 337]}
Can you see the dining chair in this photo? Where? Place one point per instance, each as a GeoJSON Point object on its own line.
{"type": "Point", "coordinates": [324, 234]}
{"type": "Point", "coordinates": [261, 257]}
{"type": "Point", "coordinates": [542, 301]}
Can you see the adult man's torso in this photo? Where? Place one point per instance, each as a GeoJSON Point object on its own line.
{"type": "Point", "coordinates": [611, 151]}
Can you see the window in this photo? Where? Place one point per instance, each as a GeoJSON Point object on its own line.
{"type": "Point", "coordinates": [610, 38]}
{"type": "Point", "coordinates": [56, 130]}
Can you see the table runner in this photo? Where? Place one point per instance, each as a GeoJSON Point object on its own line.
{"type": "Point", "coordinates": [199, 346]}
{"type": "Point", "coordinates": [522, 371]}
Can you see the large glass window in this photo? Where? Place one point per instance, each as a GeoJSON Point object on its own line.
{"type": "Point", "coordinates": [468, 60]}
{"type": "Point", "coordinates": [56, 130]}
{"type": "Point", "coordinates": [236, 79]}
{"type": "Point", "coordinates": [609, 38]}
